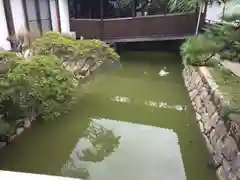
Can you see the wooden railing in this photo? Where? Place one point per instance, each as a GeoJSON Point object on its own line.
{"type": "Point", "coordinates": [170, 25]}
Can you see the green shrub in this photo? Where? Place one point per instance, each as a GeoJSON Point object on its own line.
{"type": "Point", "coordinates": [196, 50]}
{"type": "Point", "coordinates": [45, 84]}
{"type": "Point", "coordinates": [85, 46]}
{"type": "Point", "coordinates": [54, 43]}
{"type": "Point", "coordinates": [67, 48]}
{"type": "Point", "coordinates": [4, 127]}
{"type": "Point", "coordinates": [7, 61]}
{"type": "Point", "coordinates": [42, 82]}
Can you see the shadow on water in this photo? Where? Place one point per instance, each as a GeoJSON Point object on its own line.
{"type": "Point", "coordinates": [171, 46]}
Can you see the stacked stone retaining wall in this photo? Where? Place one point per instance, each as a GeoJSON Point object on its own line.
{"type": "Point", "coordinates": [208, 103]}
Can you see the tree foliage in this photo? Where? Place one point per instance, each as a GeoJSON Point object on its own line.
{"type": "Point", "coordinates": [190, 5]}
{"type": "Point", "coordinates": [221, 40]}
{"type": "Point", "coordinates": [42, 83]}
{"type": "Point", "coordinates": [45, 85]}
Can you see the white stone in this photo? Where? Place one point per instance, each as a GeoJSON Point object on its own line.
{"type": "Point", "coordinates": [2, 144]}
{"type": "Point", "coordinates": [204, 93]}
{"type": "Point", "coordinates": [198, 116]}
{"type": "Point", "coordinates": [208, 144]}
{"type": "Point", "coordinates": [201, 126]}
{"type": "Point", "coordinates": [222, 174]}
{"type": "Point", "coordinates": [229, 149]}
{"type": "Point", "coordinates": [198, 102]}
{"type": "Point", "coordinates": [193, 94]}
{"type": "Point", "coordinates": [19, 131]}
{"type": "Point", "coordinates": [27, 124]}
{"type": "Point", "coordinates": [218, 133]}
{"type": "Point", "coordinates": [205, 118]}
{"type": "Point", "coordinates": [210, 108]}
{"type": "Point", "coordinates": [8, 175]}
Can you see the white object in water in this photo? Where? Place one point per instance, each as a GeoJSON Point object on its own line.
{"type": "Point", "coordinates": [163, 72]}
{"type": "Point", "coordinates": [121, 99]}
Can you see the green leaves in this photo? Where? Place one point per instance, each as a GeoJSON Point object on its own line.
{"type": "Point", "coordinates": [196, 50]}
{"type": "Point", "coordinates": [43, 82]}
{"type": "Point", "coordinates": [221, 38]}
{"type": "Point", "coordinates": [182, 5]}
{"type": "Point", "coordinates": [4, 127]}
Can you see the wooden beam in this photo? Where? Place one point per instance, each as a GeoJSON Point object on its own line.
{"type": "Point", "coordinates": [102, 20]}
{"type": "Point", "coordinates": [38, 16]}
{"type": "Point", "coordinates": [133, 8]}
{"type": "Point", "coordinates": [165, 6]}
{"type": "Point", "coordinates": [49, 12]}
{"type": "Point", "coordinates": [25, 14]}
{"type": "Point", "coordinates": [9, 18]}
{"type": "Point", "coordinates": [58, 16]}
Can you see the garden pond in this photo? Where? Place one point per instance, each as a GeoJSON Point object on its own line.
{"type": "Point", "coordinates": [132, 122]}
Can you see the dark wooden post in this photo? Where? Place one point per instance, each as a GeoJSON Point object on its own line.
{"type": "Point", "coordinates": [49, 13]}
{"type": "Point", "coordinates": [38, 16]}
{"type": "Point", "coordinates": [102, 22]}
{"type": "Point", "coordinates": [9, 20]}
{"type": "Point", "coordinates": [223, 12]}
{"type": "Point", "coordinates": [58, 16]}
{"type": "Point", "coordinates": [133, 8]}
{"type": "Point", "coordinates": [165, 6]}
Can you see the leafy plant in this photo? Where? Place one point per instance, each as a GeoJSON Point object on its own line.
{"type": "Point", "coordinates": [4, 127]}
{"type": "Point", "coordinates": [44, 83]}
{"type": "Point", "coordinates": [195, 50]}
{"type": "Point", "coordinates": [53, 43]}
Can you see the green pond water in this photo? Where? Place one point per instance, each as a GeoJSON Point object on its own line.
{"type": "Point", "coordinates": [133, 122]}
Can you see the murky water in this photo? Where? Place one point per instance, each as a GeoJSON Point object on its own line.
{"type": "Point", "coordinates": [131, 123]}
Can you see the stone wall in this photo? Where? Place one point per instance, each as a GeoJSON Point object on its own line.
{"type": "Point", "coordinates": [21, 125]}
{"type": "Point", "coordinates": [221, 138]}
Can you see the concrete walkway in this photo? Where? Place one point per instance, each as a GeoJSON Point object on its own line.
{"type": "Point", "coordinates": [8, 175]}
{"type": "Point", "coordinates": [233, 66]}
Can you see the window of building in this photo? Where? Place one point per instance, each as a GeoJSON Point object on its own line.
{"type": "Point", "coordinates": [37, 14]}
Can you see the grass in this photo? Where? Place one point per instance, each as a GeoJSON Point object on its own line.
{"type": "Point", "coordinates": [229, 85]}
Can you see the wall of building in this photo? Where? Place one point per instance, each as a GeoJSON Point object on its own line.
{"type": "Point", "coordinates": [3, 29]}
{"type": "Point", "coordinates": [18, 16]}
{"type": "Point", "coordinates": [64, 15]}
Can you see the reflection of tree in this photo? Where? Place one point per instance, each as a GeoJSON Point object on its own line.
{"type": "Point", "coordinates": [102, 143]}
{"type": "Point", "coordinates": [71, 170]}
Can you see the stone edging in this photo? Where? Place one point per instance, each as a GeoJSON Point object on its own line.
{"type": "Point", "coordinates": [208, 102]}
{"type": "Point", "coordinates": [18, 131]}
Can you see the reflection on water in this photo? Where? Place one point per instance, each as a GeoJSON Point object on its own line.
{"type": "Point", "coordinates": [118, 150]}
{"type": "Point", "coordinates": [155, 104]}
{"type": "Point", "coordinates": [165, 105]}
{"type": "Point", "coordinates": [121, 99]}
{"type": "Point", "coordinates": [96, 143]}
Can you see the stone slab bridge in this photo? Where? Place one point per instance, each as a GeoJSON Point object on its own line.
{"type": "Point", "coordinates": [143, 28]}
{"type": "Point", "coordinates": [10, 175]}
